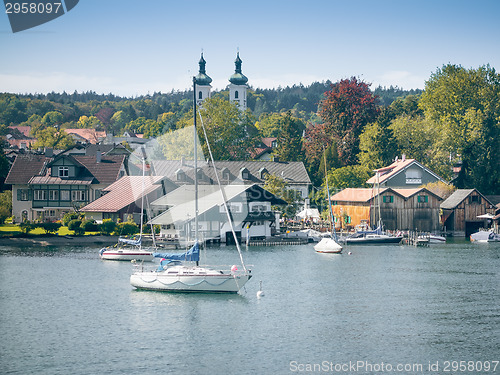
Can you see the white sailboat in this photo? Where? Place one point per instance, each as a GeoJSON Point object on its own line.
{"type": "Point", "coordinates": [181, 272]}
{"type": "Point", "coordinates": [329, 244]}
{"type": "Point", "coordinates": [130, 249]}
{"type": "Point", "coordinates": [376, 236]}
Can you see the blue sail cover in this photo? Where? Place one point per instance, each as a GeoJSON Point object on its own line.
{"type": "Point", "coordinates": [131, 242]}
{"type": "Point", "coordinates": [192, 255]}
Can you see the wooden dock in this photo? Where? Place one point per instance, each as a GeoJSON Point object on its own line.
{"type": "Point", "coordinates": [278, 242]}
{"type": "Point", "coordinates": [417, 240]}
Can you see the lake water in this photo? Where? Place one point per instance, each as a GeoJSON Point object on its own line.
{"type": "Point", "coordinates": [404, 309]}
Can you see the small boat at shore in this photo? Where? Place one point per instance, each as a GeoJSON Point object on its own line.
{"type": "Point", "coordinates": [484, 236]}
{"type": "Point", "coordinates": [373, 237]}
{"type": "Point", "coordinates": [127, 250]}
{"type": "Point", "coordinates": [329, 244]}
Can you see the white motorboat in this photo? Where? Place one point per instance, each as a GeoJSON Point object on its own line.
{"type": "Point", "coordinates": [485, 236]}
{"type": "Point", "coordinates": [130, 249]}
{"type": "Point", "coordinates": [434, 238]}
{"type": "Point", "coordinates": [127, 251]}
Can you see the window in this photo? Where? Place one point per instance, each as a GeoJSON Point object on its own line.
{"type": "Point", "coordinates": [40, 195]}
{"type": "Point", "coordinates": [78, 195]}
{"type": "Point", "coordinates": [63, 172]}
{"type": "Point", "coordinates": [200, 95]}
{"type": "Point", "coordinates": [236, 95]}
{"type": "Point", "coordinates": [50, 213]}
{"type": "Point", "coordinates": [423, 199]}
{"type": "Point", "coordinates": [474, 199]}
{"type": "Point", "coordinates": [65, 195]}
{"type": "Point", "coordinates": [53, 195]}
{"type": "Point", "coordinates": [23, 194]}
{"type": "Point", "coordinates": [180, 175]}
{"type": "Point", "coordinates": [388, 198]}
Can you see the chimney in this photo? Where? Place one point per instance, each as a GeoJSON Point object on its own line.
{"type": "Point", "coordinates": [276, 158]}
{"type": "Point", "coordinates": [183, 161]}
{"type": "Point", "coordinates": [98, 157]}
{"type": "Point", "coordinates": [48, 152]}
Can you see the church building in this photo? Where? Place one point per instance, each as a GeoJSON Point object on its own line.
{"type": "Point", "coordinates": [237, 87]}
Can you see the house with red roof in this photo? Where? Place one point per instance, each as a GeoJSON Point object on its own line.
{"type": "Point", "coordinates": [46, 187]}
{"type": "Point", "coordinates": [404, 173]}
{"type": "Point", "coordinates": [123, 197]}
{"type": "Point", "coordinates": [86, 135]}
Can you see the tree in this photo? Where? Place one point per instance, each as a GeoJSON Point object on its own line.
{"type": "Point", "coordinates": [5, 205]}
{"type": "Point", "coordinates": [465, 103]}
{"type": "Point", "coordinates": [346, 109]}
{"type": "Point", "coordinates": [85, 122]}
{"type": "Point", "coordinates": [279, 187]}
{"type": "Point", "coordinates": [440, 188]}
{"type": "Point", "coordinates": [351, 176]}
{"type": "Point", "coordinates": [52, 138]}
{"type": "Point", "coordinates": [52, 118]}
{"type": "Point", "coordinates": [316, 139]}
{"type": "Point", "coordinates": [230, 131]}
{"type": "Point", "coordinates": [378, 145]}
{"type": "Point", "coordinates": [290, 137]}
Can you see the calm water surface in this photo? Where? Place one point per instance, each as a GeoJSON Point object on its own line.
{"type": "Point", "coordinates": [64, 311]}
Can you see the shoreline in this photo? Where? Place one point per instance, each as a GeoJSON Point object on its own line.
{"type": "Point", "coordinates": [58, 241]}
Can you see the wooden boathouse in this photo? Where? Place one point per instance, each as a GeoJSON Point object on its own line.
{"type": "Point", "coordinates": [460, 212]}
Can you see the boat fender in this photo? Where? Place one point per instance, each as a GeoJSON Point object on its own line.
{"type": "Point", "coordinates": [260, 293]}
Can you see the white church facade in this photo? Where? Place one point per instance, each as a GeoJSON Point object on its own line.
{"type": "Point", "coordinates": [237, 87]}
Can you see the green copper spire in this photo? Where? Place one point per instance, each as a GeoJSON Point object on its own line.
{"type": "Point", "coordinates": [238, 78]}
{"type": "Point", "coordinates": [201, 78]}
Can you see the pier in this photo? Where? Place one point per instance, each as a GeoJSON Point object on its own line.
{"type": "Point", "coordinates": [416, 239]}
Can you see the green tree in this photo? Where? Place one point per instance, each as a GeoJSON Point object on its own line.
{"type": "Point", "coordinates": [230, 131]}
{"type": "Point", "coordinates": [278, 186]}
{"type": "Point", "coordinates": [51, 137]}
{"type": "Point", "coordinates": [351, 176]}
{"type": "Point", "coordinates": [86, 122]}
{"type": "Point", "coordinates": [290, 137]}
{"type": "Point", "coordinates": [52, 118]}
{"type": "Point", "coordinates": [5, 205]}
{"type": "Point", "coordinates": [465, 103]}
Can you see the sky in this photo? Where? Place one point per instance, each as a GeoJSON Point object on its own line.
{"type": "Point", "coordinates": [138, 47]}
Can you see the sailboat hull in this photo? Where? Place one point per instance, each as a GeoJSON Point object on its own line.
{"type": "Point", "coordinates": [198, 280]}
{"type": "Point", "coordinates": [126, 255]}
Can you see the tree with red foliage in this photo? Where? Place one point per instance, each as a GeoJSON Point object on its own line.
{"type": "Point", "coordinates": [346, 109]}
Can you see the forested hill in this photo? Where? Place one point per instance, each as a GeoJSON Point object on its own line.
{"type": "Point", "coordinates": [303, 100]}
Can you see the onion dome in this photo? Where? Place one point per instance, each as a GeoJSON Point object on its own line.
{"type": "Point", "coordinates": [238, 78]}
{"type": "Point", "coordinates": [201, 78]}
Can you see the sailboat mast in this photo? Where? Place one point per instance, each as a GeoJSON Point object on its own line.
{"type": "Point", "coordinates": [142, 200]}
{"type": "Point", "coordinates": [332, 220]}
{"type": "Point", "coordinates": [195, 165]}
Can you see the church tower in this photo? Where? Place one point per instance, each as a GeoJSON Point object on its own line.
{"type": "Point", "coordinates": [202, 83]}
{"type": "Point", "coordinates": [238, 87]}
